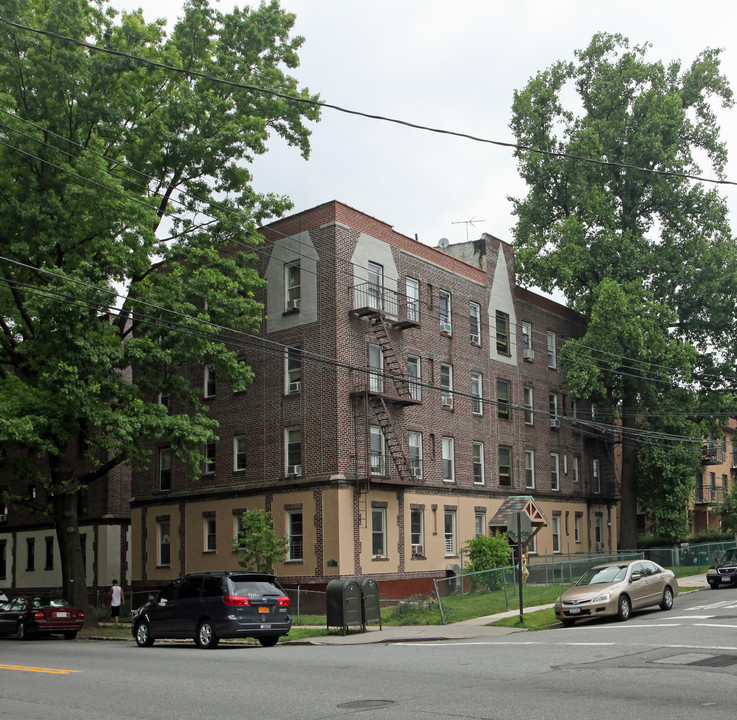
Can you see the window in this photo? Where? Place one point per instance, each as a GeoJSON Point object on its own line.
{"type": "Point", "coordinates": [165, 400]}
{"type": "Point", "coordinates": [30, 554]}
{"type": "Point", "coordinates": [164, 541]}
{"type": "Point", "coordinates": [596, 477]}
{"type": "Point", "coordinates": [532, 545]}
{"type": "Point", "coordinates": [378, 532]}
{"type": "Point", "coordinates": [210, 535]}
{"type": "Point", "coordinates": [376, 368]}
{"type": "Point", "coordinates": [477, 404]}
{"type": "Point", "coordinates": [450, 533]}
{"type": "Point", "coordinates": [553, 404]}
{"type": "Point", "coordinates": [210, 450]}
{"type": "Point", "coordinates": [293, 443]}
{"type": "Point", "coordinates": [480, 523]}
{"type": "Point", "coordinates": [526, 339]}
{"type": "Point", "coordinates": [502, 398]}
{"type": "Point", "coordinates": [577, 527]}
{"type": "Point", "coordinates": [165, 469]}
{"type": "Point", "coordinates": [574, 468]}
{"type": "Point", "coordinates": [556, 533]}
{"type": "Point", "coordinates": [292, 287]}
{"type": "Point", "coordinates": [417, 531]}
{"type": "Point", "coordinates": [239, 452]}
{"type": "Point", "coordinates": [529, 469]}
{"type": "Point", "coordinates": [475, 323]}
{"type": "Point", "coordinates": [552, 351]}
{"type": "Point", "coordinates": [210, 381]}
{"type": "Point", "coordinates": [415, 377]}
{"type": "Point", "coordinates": [3, 560]}
{"type": "Point", "coordinates": [294, 533]}
{"type": "Point", "coordinates": [598, 532]}
{"type": "Point", "coordinates": [502, 332]}
{"type": "Point", "coordinates": [446, 385]}
{"type": "Point", "coordinates": [375, 285]}
{"type": "Point", "coordinates": [414, 440]}
{"type": "Point", "coordinates": [49, 564]}
{"type": "Point", "coordinates": [505, 465]}
{"type": "Point", "coordinates": [554, 471]}
{"type": "Point", "coordinates": [413, 299]}
{"type": "Point", "coordinates": [293, 370]}
{"type": "Point", "coordinates": [444, 311]}
{"type": "Point", "coordinates": [448, 452]}
{"type": "Point", "coordinates": [377, 451]}
{"type": "Point", "coordinates": [478, 463]}
{"type": "Point", "coordinates": [527, 402]}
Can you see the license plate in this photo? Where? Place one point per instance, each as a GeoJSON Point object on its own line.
{"type": "Point", "coordinates": [574, 611]}
{"type": "Point", "coordinates": [263, 609]}
{"type": "Point", "coordinates": [265, 627]}
{"type": "Point", "coordinates": [61, 614]}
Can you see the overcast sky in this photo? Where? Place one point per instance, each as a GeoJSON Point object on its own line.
{"type": "Point", "coordinates": [450, 64]}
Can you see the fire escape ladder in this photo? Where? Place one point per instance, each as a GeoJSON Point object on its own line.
{"type": "Point", "coordinates": [391, 441]}
{"type": "Point", "coordinates": [391, 363]}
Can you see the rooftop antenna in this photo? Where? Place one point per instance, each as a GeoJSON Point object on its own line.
{"type": "Point", "coordinates": [471, 222]}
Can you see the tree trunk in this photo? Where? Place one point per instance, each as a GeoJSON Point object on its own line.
{"type": "Point", "coordinates": [628, 503]}
{"type": "Point", "coordinates": [74, 581]}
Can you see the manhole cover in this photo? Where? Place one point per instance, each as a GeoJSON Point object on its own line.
{"type": "Point", "coordinates": [366, 704]}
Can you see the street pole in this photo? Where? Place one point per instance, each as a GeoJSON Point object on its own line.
{"type": "Point", "coordinates": [519, 570]}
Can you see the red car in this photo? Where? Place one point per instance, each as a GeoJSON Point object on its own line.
{"type": "Point", "coordinates": [28, 616]}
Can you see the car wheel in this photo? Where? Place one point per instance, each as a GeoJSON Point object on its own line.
{"type": "Point", "coordinates": [667, 601]}
{"type": "Point", "coordinates": [206, 636]}
{"type": "Point", "coordinates": [567, 622]}
{"type": "Point", "coordinates": [624, 608]}
{"type": "Point", "coordinates": [713, 585]}
{"type": "Point", "coordinates": [70, 634]}
{"type": "Point", "coordinates": [22, 631]}
{"type": "Point", "coordinates": [144, 638]}
{"type": "Point", "coordinates": [269, 641]}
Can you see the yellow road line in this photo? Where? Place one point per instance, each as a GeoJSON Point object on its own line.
{"type": "Point", "coordinates": [52, 671]}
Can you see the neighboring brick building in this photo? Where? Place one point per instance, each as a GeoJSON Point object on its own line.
{"type": "Point", "coordinates": [402, 392]}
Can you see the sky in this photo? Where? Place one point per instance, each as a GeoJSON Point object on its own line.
{"type": "Point", "coordinates": [454, 65]}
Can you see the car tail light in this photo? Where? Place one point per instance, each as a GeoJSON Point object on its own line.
{"type": "Point", "coordinates": [236, 601]}
{"type": "Point", "coordinates": [38, 615]}
{"type": "Point", "coordinates": [283, 601]}
{"type": "Point", "coordinates": [80, 615]}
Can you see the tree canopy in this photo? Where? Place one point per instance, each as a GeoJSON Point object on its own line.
{"type": "Point", "coordinates": [258, 546]}
{"type": "Point", "coordinates": [639, 248]}
{"type": "Point", "coordinates": [127, 222]}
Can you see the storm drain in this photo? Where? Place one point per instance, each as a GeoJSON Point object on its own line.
{"type": "Point", "coordinates": [699, 660]}
{"type": "Point", "coordinates": [366, 704]}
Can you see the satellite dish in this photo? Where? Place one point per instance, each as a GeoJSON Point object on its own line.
{"type": "Point", "coordinates": [443, 243]}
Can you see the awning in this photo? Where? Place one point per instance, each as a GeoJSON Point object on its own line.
{"type": "Point", "coordinates": [532, 518]}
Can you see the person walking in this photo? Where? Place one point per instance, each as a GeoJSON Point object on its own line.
{"type": "Point", "coordinates": [116, 598]}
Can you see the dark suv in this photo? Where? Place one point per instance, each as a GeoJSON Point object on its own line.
{"type": "Point", "coordinates": [212, 605]}
{"type": "Point", "coordinates": [724, 571]}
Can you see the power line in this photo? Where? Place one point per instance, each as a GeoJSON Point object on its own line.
{"type": "Point", "coordinates": [370, 116]}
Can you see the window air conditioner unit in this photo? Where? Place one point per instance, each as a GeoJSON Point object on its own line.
{"type": "Point", "coordinates": [528, 354]}
{"type": "Point", "coordinates": [295, 387]}
{"type": "Point", "coordinates": [293, 305]}
{"type": "Point", "coordinates": [475, 339]}
{"type": "Point", "coordinates": [3, 518]}
{"type": "Point", "coordinates": [447, 401]}
{"type": "Point", "coordinates": [294, 470]}
{"type": "Point", "coordinates": [445, 328]}
{"type": "Point", "coordinates": [599, 546]}
{"type": "Point", "coordinates": [554, 422]}
{"type": "Point", "coordinates": [417, 550]}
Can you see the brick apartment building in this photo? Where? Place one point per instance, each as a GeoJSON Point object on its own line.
{"type": "Point", "coordinates": [402, 393]}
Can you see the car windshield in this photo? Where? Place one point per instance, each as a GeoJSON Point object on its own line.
{"type": "Point", "coordinates": [41, 602]}
{"type": "Point", "coordinates": [729, 555]}
{"type": "Point", "coordinates": [609, 574]}
{"type": "Point", "coordinates": [255, 588]}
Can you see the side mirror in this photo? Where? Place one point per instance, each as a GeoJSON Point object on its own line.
{"type": "Point", "coordinates": [635, 577]}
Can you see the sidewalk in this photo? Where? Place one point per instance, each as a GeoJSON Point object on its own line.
{"type": "Point", "coordinates": [473, 629]}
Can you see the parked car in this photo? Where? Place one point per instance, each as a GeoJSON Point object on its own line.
{"type": "Point", "coordinates": [724, 571]}
{"type": "Point", "coordinates": [616, 589]}
{"type": "Point", "coordinates": [29, 616]}
{"type": "Point", "coordinates": [209, 606]}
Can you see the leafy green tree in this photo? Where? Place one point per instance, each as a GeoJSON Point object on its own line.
{"type": "Point", "coordinates": [127, 222]}
{"type": "Point", "coordinates": [727, 510]}
{"type": "Point", "coordinates": [647, 258]}
{"type": "Point", "coordinates": [487, 553]}
{"type": "Point", "coordinates": [257, 545]}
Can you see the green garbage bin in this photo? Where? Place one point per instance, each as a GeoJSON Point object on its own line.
{"type": "Point", "coordinates": [343, 604]}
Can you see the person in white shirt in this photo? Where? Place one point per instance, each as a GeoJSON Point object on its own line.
{"type": "Point", "coordinates": [117, 598]}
